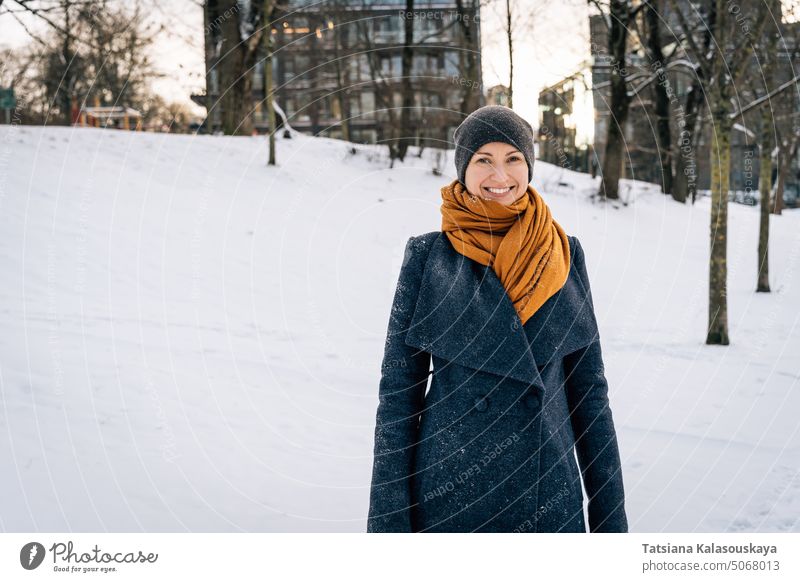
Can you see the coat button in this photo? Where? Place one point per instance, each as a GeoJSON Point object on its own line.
{"type": "Point", "coordinates": [532, 401]}
{"type": "Point", "coordinates": [481, 403]}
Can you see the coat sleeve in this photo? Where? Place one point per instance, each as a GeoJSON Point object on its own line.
{"type": "Point", "coordinates": [593, 425]}
{"type": "Point", "coordinates": [404, 377]}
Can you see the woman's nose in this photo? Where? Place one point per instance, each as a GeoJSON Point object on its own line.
{"type": "Point", "coordinates": [500, 173]}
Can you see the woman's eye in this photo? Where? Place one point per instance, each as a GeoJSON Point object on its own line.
{"type": "Point", "coordinates": [514, 158]}
{"type": "Point", "coordinates": [483, 160]}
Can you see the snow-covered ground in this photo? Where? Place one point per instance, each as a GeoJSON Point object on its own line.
{"type": "Point", "coordinates": [191, 340]}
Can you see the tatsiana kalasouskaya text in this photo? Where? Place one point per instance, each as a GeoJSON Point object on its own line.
{"type": "Point", "coordinates": [709, 549]}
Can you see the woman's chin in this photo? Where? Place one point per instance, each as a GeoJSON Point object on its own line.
{"type": "Point", "coordinates": [505, 199]}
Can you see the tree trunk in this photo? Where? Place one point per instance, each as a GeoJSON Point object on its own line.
{"type": "Point", "coordinates": [718, 266]}
{"type": "Point", "coordinates": [691, 126]}
{"type": "Point", "coordinates": [471, 92]}
{"type": "Point", "coordinates": [786, 154]}
{"type": "Point", "coordinates": [764, 187]}
{"type": "Point", "coordinates": [509, 30]}
{"type": "Point", "coordinates": [237, 117]}
{"type": "Point", "coordinates": [614, 158]}
{"type": "Point", "coordinates": [342, 76]}
{"type": "Point", "coordinates": [408, 89]}
{"type": "Point", "coordinates": [612, 162]}
{"type": "Point", "coordinates": [720, 185]}
{"type": "Point", "coordinates": [685, 185]}
{"type": "Point", "coordinates": [268, 79]}
{"type": "Point", "coordinates": [765, 160]}
{"type": "Point", "coordinates": [235, 84]}
{"type": "Point", "coordinates": [384, 93]}
{"type": "Point", "coordinates": [662, 109]}
{"type": "Point", "coordinates": [67, 55]}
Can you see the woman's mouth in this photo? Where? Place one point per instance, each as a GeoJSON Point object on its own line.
{"type": "Point", "coordinates": [498, 191]}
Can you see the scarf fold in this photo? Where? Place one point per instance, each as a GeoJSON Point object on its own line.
{"type": "Point", "coordinates": [526, 248]}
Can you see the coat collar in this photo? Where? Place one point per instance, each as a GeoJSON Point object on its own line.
{"type": "Point", "coordinates": [463, 314]}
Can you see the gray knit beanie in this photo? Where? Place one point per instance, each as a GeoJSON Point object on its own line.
{"type": "Point", "coordinates": [487, 124]}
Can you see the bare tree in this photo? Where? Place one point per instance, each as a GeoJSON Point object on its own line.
{"type": "Point", "coordinates": [402, 119]}
{"type": "Point", "coordinates": [509, 29]}
{"type": "Point", "coordinates": [406, 130]}
{"type": "Point", "coordinates": [787, 151]}
{"type": "Point", "coordinates": [723, 69]}
{"type": "Point", "coordinates": [337, 8]}
{"type": "Point", "coordinates": [161, 115]}
{"type": "Point", "coordinates": [466, 17]}
{"type": "Point", "coordinates": [269, 11]}
{"type": "Point", "coordinates": [699, 25]}
{"type": "Point", "coordinates": [518, 19]}
{"type": "Point", "coordinates": [780, 104]}
{"type": "Point", "coordinates": [767, 57]}
{"type": "Point", "coordinates": [660, 93]}
{"type": "Point", "coordinates": [90, 50]}
{"type": "Point", "coordinates": [619, 16]}
{"type": "Point", "coordinates": [61, 17]}
{"type": "Point", "coordinates": [382, 88]}
{"type": "Point", "coordinates": [399, 127]}
{"type": "Point", "coordinates": [118, 53]}
{"type": "Point", "coordinates": [235, 34]}
{"type": "Point", "coordinates": [13, 66]}
{"type": "Point", "coordinates": [787, 99]}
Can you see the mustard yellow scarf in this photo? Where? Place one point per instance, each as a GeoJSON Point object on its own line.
{"type": "Point", "coordinates": [528, 250]}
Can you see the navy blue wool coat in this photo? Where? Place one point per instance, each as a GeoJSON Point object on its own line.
{"type": "Point", "coordinates": [489, 445]}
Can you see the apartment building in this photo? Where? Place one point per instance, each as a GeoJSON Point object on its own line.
{"type": "Point", "coordinates": [338, 68]}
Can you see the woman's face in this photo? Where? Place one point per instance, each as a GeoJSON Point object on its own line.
{"type": "Point", "coordinates": [497, 171]}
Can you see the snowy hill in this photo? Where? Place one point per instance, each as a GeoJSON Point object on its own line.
{"type": "Point", "coordinates": [192, 340]}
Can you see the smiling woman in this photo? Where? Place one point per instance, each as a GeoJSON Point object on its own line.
{"type": "Point", "coordinates": [498, 172]}
{"type": "Point", "coordinates": [499, 302]}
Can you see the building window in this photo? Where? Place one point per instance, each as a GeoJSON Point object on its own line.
{"type": "Point", "coordinates": [345, 34]}
{"type": "Point", "coordinates": [302, 100]}
{"type": "Point", "coordinates": [451, 65]}
{"type": "Point", "coordinates": [298, 25]}
{"type": "Point", "coordinates": [258, 75]}
{"type": "Point", "coordinates": [288, 68]}
{"type": "Point", "coordinates": [213, 78]}
{"type": "Point", "coordinates": [301, 64]}
{"type": "Point", "coordinates": [431, 100]}
{"type": "Point", "coordinates": [359, 68]}
{"type": "Point", "coordinates": [355, 106]}
{"type": "Point", "coordinates": [362, 106]}
{"type": "Point", "coordinates": [368, 105]}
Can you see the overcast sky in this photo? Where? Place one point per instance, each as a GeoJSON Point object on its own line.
{"type": "Point", "coordinates": [553, 47]}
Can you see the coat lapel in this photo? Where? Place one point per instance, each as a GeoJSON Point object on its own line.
{"type": "Point", "coordinates": [463, 314]}
{"type": "Point", "coordinates": [564, 323]}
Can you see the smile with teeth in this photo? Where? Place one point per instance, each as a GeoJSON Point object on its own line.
{"type": "Point", "coordinates": [499, 190]}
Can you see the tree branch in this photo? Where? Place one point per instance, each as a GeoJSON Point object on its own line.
{"type": "Point", "coordinates": [747, 49]}
{"type": "Point", "coordinates": [687, 33]}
